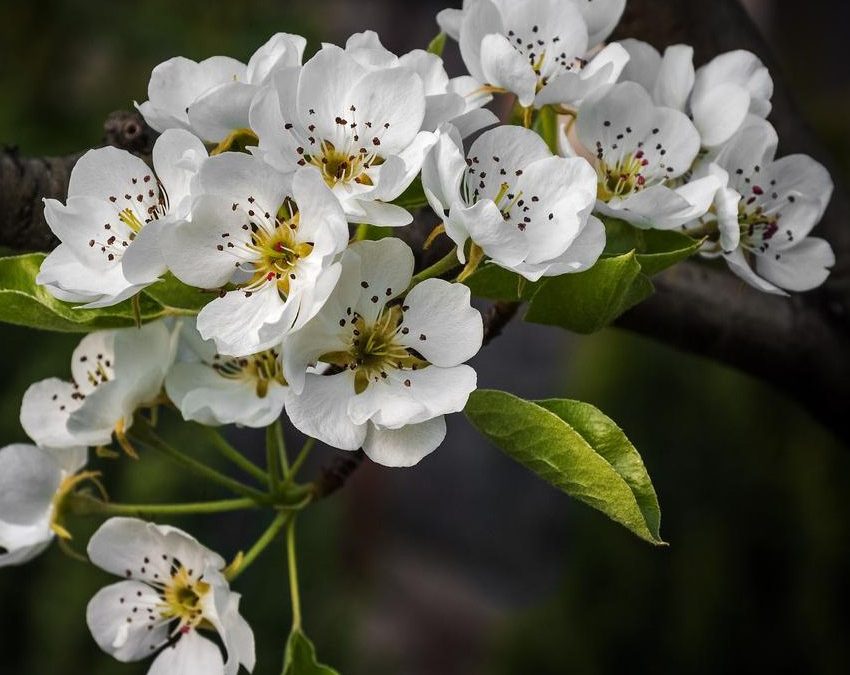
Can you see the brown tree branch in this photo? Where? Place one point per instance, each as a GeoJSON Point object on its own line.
{"type": "Point", "coordinates": [801, 345]}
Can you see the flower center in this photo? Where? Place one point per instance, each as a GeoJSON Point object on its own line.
{"type": "Point", "coordinates": [545, 55]}
{"type": "Point", "coordinates": [182, 597]}
{"type": "Point", "coordinates": [262, 369]}
{"type": "Point", "coordinates": [621, 179]}
{"type": "Point", "coordinates": [273, 253]}
{"type": "Point", "coordinates": [344, 165]}
{"type": "Point", "coordinates": [373, 349]}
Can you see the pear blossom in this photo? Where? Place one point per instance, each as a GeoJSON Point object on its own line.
{"type": "Point", "coordinates": [539, 50]}
{"type": "Point", "coordinates": [114, 373]}
{"type": "Point", "coordinates": [213, 389]}
{"type": "Point", "coordinates": [396, 366]}
{"type": "Point", "coordinates": [528, 210]}
{"type": "Point", "coordinates": [765, 213]}
{"type": "Point", "coordinates": [173, 589]}
{"type": "Point", "coordinates": [639, 149]}
{"type": "Point", "coordinates": [360, 127]}
{"type": "Point", "coordinates": [211, 98]}
{"type": "Point", "coordinates": [110, 224]}
{"type": "Point", "coordinates": [458, 100]}
{"type": "Point", "coordinates": [275, 237]}
{"type": "Point", "coordinates": [718, 96]}
{"type": "Point", "coordinates": [33, 483]}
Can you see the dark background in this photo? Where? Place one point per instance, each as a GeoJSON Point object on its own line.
{"type": "Point", "coordinates": [467, 564]}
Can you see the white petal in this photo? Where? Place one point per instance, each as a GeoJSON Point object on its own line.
{"type": "Point", "coordinates": [45, 409]}
{"type": "Point", "coordinates": [20, 544]}
{"type": "Point", "coordinates": [204, 396]}
{"type": "Point", "coordinates": [134, 549]}
{"type": "Point", "coordinates": [177, 156]}
{"type": "Point", "coordinates": [499, 156]}
{"type": "Point", "coordinates": [221, 110]}
{"type": "Point", "coordinates": [741, 68]}
{"type": "Point", "coordinates": [192, 655]}
{"type": "Point", "coordinates": [449, 21]}
{"type": "Point", "coordinates": [443, 325]}
{"type": "Point", "coordinates": [244, 324]}
{"type": "Point", "coordinates": [601, 17]}
{"type": "Point", "coordinates": [235, 632]}
{"type": "Point", "coordinates": [386, 268]}
{"type": "Point", "coordinates": [644, 63]}
{"type": "Point", "coordinates": [321, 220]}
{"type": "Point", "coordinates": [719, 112]}
{"type": "Point", "coordinates": [737, 262]}
{"type": "Point", "coordinates": [281, 50]}
{"type": "Point", "coordinates": [675, 77]}
{"type": "Point", "coordinates": [93, 360]}
{"type": "Point", "coordinates": [614, 119]}
{"type": "Point", "coordinates": [409, 397]}
{"type": "Point", "coordinates": [405, 169]}
{"type": "Point", "coordinates": [503, 66]}
{"type": "Point", "coordinates": [29, 478]}
{"type": "Point", "coordinates": [442, 170]}
{"type": "Point", "coordinates": [656, 207]}
{"type": "Point", "coordinates": [406, 446]}
{"type": "Point", "coordinates": [801, 268]}
{"type": "Point", "coordinates": [671, 149]}
{"type": "Point", "coordinates": [479, 20]}
{"type": "Point", "coordinates": [581, 254]}
{"type": "Point", "coordinates": [484, 224]}
{"type": "Point", "coordinates": [119, 619]}
{"type": "Point", "coordinates": [321, 410]}
{"type": "Point", "coordinates": [376, 213]}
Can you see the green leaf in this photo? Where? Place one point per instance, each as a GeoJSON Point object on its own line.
{"type": "Point", "coordinates": [24, 303]}
{"type": "Point", "coordinates": [656, 249]}
{"type": "Point", "coordinates": [577, 449]}
{"type": "Point", "coordinates": [438, 44]}
{"type": "Point", "coordinates": [588, 301]}
{"type": "Point", "coordinates": [496, 283]}
{"type": "Point", "coordinates": [172, 293]}
{"type": "Point", "coordinates": [413, 197]}
{"type": "Point", "coordinates": [300, 657]}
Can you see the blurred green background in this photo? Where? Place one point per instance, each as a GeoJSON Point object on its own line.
{"type": "Point", "coordinates": [466, 564]}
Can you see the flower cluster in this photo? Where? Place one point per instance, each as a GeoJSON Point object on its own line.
{"type": "Point", "coordinates": [277, 189]}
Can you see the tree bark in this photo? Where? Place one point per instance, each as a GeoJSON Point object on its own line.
{"type": "Point", "coordinates": [800, 345]}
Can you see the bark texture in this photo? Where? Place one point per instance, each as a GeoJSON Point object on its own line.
{"type": "Point", "coordinates": [800, 345]}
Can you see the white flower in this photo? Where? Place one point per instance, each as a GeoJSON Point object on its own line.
{"type": "Point", "coordinates": [212, 98]}
{"type": "Point", "coordinates": [114, 373]}
{"type": "Point", "coordinates": [537, 49]}
{"type": "Point", "coordinates": [213, 389]}
{"type": "Point", "coordinates": [173, 589]}
{"type": "Point", "coordinates": [33, 482]}
{"type": "Point", "coordinates": [360, 127]}
{"type": "Point", "coordinates": [766, 213]}
{"type": "Point", "coordinates": [639, 149]}
{"type": "Point", "coordinates": [457, 100]}
{"type": "Point", "coordinates": [275, 237]}
{"type": "Point", "coordinates": [110, 224]}
{"type": "Point", "coordinates": [395, 368]}
{"type": "Point", "coordinates": [528, 210]}
{"type": "Point", "coordinates": [718, 97]}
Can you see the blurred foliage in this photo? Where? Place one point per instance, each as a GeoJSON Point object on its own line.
{"type": "Point", "coordinates": [753, 492]}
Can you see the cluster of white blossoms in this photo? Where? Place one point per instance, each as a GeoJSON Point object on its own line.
{"type": "Point", "coordinates": [261, 185]}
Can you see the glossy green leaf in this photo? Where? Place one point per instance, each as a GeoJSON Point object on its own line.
{"type": "Point", "coordinates": [25, 303]}
{"type": "Point", "coordinates": [171, 292]}
{"type": "Point", "coordinates": [588, 301]}
{"type": "Point", "coordinates": [438, 44]}
{"type": "Point", "coordinates": [546, 125]}
{"type": "Point", "coordinates": [300, 657]}
{"type": "Point", "coordinates": [656, 249]}
{"type": "Point", "coordinates": [577, 449]}
{"type": "Point", "coordinates": [496, 283]}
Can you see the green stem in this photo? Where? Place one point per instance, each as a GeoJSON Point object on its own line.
{"type": "Point", "coordinates": [261, 544]}
{"type": "Point", "coordinates": [84, 505]}
{"type": "Point", "coordinates": [442, 266]}
{"type": "Point", "coordinates": [148, 438]}
{"type": "Point", "coordinates": [361, 232]}
{"type": "Point", "coordinates": [309, 444]}
{"type": "Point", "coordinates": [293, 575]}
{"type": "Point", "coordinates": [230, 453]}
{"type": "Point", "coordinates": [276, 461]}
